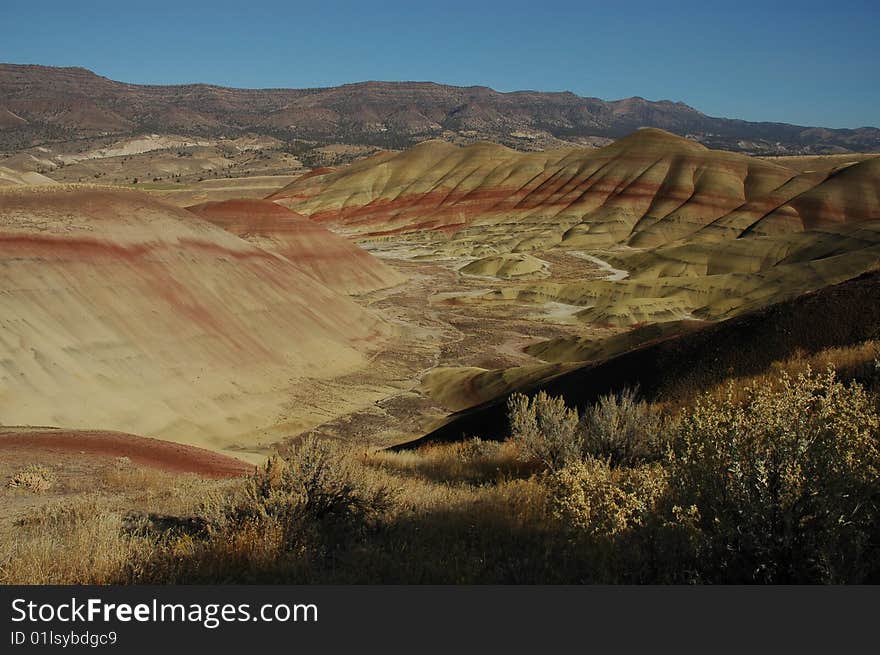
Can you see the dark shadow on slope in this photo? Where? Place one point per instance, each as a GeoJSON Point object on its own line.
{"type": "Point", "coordinates": [839, 315]}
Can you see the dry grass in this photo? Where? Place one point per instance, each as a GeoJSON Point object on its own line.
{"type": "Point", "coordinates": [746, 487]}
{"type": "Point", "coordinates": [857, 363]}
{"type": "Point", "coordinates": [80, 542]}
{"type": "Point", "coordinates": [433, 513]}
{"type": "Point", "coordinates": [471, 461]}
{"type": "Point", "coordinates": [75, 531]}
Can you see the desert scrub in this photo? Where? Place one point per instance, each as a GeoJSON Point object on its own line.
{"type": "Point", "coordinates": [544, 430]}
{"type": "Point", "coordinates": [600, 500]}
{"type": "Point", "coordinates": [613, 521]}
{"type": "Point", "coordinates": [784, 482]}
{"type": "Point", "coordinates": [774, 483]}
{"type": "Point", "coordinates": [622, 429]}
{"type": "Point", "coordinates": [316, 498]}
{"type": "Point", "coordinates": [618, 428]}
{"type": "Point", "coordinates": [318, 481]}
{"type": "Point", "coordinates": [291, 520]}
{"type": "Point", "coordinates": [33, 478]}
{"type": "Point", "coordinates": [778, 482]}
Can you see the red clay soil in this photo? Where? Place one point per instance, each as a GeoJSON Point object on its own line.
{"type": "Point", "coordinates": [324, 255]}
{"type": "Point", "coordinates": [144, 451]}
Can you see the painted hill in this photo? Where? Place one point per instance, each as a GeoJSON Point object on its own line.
{"type": "Point", "coordinates": [841, 315]}
{"type": "Point", "coordinates": [42, 103]}
{"type": "Point", "coordinates": [92, 446]}
{"type": "Point", "coordinates": [123, 312]}
{"type": "Point", "coordinates": [701, 233]}
{"type": "Point", "coordinates": [508, 265]}
{"type": "Point", "coordinates": [647, 189]}
{"type": "Point", "coordinates": [329, 258]}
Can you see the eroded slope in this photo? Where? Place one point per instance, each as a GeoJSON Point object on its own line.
{"type": "Point", "coordinates": [121, 312]}
{"type": "Point", "coordinates": [695, 233]}
{"type": "Point", "coordinates": [329, 258]}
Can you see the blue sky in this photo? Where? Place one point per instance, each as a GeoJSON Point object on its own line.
{"type": "Point", "coordinates": [807, 62]}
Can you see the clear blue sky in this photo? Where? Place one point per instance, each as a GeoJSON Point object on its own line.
{"type": "Point", "coordinates": [807, 62]}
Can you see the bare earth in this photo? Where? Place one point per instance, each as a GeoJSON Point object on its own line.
{"type": "Point", "coordinates": [444, 320]}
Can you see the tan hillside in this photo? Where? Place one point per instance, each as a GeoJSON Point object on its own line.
{"type": "Point", "coordinates": [646, 190]}
{"type": "Point", "coordinates": [10, 177]}
{"type": "Point", "coordinates": [121, 312]}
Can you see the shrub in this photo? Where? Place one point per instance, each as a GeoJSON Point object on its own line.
{"type": "Point", "coordinates": [622, 429]}
{"type": "Point", "coordinates": [316, 483]}
{"type": "Point", "coordinates": [593, 497]}
{"type": "Point", "coordinates": [475, 450]}
{"type": "Point", "coordinates": [784, 483]}
{"type": "Point", "coordinates": [544, 430]}
{"type": "Point", "coordinates": [33, 478]}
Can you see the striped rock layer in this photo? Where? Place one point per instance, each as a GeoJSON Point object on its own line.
{"type": "Point", "coordinates": [120, 311]}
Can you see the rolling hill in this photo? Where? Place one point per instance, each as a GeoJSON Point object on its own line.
{"type": "Point", "coordinates": [122, 312]}
{"type": "Point", "coordinates": [10, 177]}
{"type": "Point", "coordinates": [693, 232]}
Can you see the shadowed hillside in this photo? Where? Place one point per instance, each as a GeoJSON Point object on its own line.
{"type": "Point", "coordinates": [840, 315]}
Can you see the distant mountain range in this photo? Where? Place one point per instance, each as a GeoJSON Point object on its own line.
{"type": "Point", "coordinates": [42, 104]}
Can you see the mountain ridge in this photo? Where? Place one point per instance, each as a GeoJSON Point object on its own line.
{"type": "Point", "coordinates": [74, 102]}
